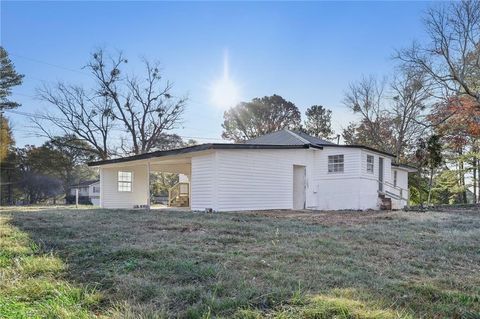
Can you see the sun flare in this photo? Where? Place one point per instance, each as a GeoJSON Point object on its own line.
{"type": "Point", "coordinates": [225, 92]}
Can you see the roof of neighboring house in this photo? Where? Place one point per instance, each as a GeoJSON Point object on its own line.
{"type": "Point", "coordinates": [284, 139]}
{"type": "Point", "coordinates": [85, 183]}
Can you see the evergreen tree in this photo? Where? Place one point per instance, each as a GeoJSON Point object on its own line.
{"type": "Point", "coordinates": [8, 79]}
{"type": "Point", "coordinates": [319, 122]}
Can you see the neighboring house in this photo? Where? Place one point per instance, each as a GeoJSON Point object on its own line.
{"type": "Point", "coordinates": [88, 189]}
{"type": "Point", "coordinates": [281, 170]}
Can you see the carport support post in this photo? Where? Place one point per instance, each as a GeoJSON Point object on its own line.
{"type": "Point", "coordinates": [148, 186]}
{"type": "Point", "coordinates": [76, 197]}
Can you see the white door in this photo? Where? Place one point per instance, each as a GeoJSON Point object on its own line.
{"type": "Point", "coordinates": [299, 187]}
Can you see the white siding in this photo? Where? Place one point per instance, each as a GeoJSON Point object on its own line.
{"type": "Point", "coordinates": [230, 180]}
{"type": "Point", "coordinates": [350, 189]}
{"type": "Point", "coordinates": [402, 182]}
{"type": "Point", "coordinates": [259, 179]}
{"type": "Point", "coordinates": [112, 198]}
{"type": "Point", "coordinates": [202, 183]}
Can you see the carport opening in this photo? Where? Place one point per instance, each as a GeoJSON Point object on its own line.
{"type": "Point", "coordinates": [169, 190]}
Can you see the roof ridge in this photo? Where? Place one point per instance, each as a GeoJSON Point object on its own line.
{"type": "Point", "coordinates": [298, 136]}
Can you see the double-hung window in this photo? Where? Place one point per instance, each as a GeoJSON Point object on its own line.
{"type": "Point", "coordinates": [125, 180]}
{"type": "Point", "coordinates": [370, 163]}
{"type": "Point", "coordinates": [335, 164]}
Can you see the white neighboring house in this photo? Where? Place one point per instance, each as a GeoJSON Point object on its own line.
{"type": "Point", "coordinates": [90, 189]}
{"type": "Point", "coordinates": [281, 170]}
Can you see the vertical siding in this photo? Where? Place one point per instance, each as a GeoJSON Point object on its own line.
{"type": "Point", "coordinates": [202, 183]}
{"type": "Point", "coordinates": [112, 198]}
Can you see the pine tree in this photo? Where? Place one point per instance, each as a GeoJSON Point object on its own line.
{"type": "Point", "coordinates": [8, 79]}
{"type": "Point", "coordinates": [319, 122]}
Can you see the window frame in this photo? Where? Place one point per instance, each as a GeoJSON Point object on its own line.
{"type": "Point", "coordinates": [124, 185]}
{"type": "Point", "coordinates": [370, 166]}
{"type": "Point", "coordinates": [334, 164]}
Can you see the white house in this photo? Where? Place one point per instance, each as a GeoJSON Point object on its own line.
{"type": "Point", "coordinates": [90, 189]}
{"type": "Point", "coordinates": [281, 170]}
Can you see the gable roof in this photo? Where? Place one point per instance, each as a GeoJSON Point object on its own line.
{"type": "Point", "coordinates": [288, 137]}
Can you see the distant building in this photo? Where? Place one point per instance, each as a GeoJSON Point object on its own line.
{"type": "Point", "coordinates": [88, 190]}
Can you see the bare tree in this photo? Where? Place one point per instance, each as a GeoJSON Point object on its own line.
{"type": "Point", "coordinates": [452, 59]}
{"type": "Point", "coordinates": [89, 118]}
{"type": "Point", "coordinates": [411, 96]}
{"type": "Point", "coordinates": [145, 107]}
{"type": "Point", "coordinates": [367, 98]}
{"type": "Point", "coordinates": [389, 119]}
{"type": "Point", "coordinates": [140, 106]}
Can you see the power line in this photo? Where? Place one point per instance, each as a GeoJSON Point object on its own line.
{"type": "Point", "coordinates": [48, 63]}
{"type": "Point", "coordinates": [39, 116]}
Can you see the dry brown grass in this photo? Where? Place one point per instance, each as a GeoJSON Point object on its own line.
{"type": "Point", "coordinates": [279, 264]}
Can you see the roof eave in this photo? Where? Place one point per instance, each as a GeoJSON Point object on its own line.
{"type": "Point", "coordinates": [408, 168]}
{"type": "Point", "coordinates": [198, 148]}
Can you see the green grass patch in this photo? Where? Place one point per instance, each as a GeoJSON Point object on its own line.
{"type": "Point", "coordinates": [67, 263]}
{"type": "Point", "coordinates": [32, 283]}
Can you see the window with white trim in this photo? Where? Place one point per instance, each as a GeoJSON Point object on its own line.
{"type": "Point", "coordinates": [394, 178]}
{"type": "Point", "coordinates": [125, 181]}
{"type": "Point", "coordinates": [335, 164]}
{"type": "Point", "coordinates": [370, 163]}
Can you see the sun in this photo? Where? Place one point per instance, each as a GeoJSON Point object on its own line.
{"type": "Point", "coordinates": [225, 93]}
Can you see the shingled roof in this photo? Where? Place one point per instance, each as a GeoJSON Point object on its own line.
{"type": "Point", "coordinates": [288, 137]}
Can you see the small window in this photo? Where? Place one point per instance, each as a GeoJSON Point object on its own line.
{"type": "Point", "coordinates": [394, 178]}
{"type": "Point", "coordinates": [370, 161]}
{"type": "Point", "coordinates": [335, 164]}
{"type": "Point", "coordinates": [124, 181]}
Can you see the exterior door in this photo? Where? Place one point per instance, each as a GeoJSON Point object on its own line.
{"type": "Point", "coordinates": [380, 174]}
{"type": "Point", "coordinates": [299, 187]}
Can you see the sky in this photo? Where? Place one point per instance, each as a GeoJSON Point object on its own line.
{"type": "Point", "coordinates": [216, 53]}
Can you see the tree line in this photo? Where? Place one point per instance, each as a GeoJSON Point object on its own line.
{"type": "Point", "coordinates": [426, 112]}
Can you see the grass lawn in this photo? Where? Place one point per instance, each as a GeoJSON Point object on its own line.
{"type": "Point", "coordinates": [71, 263]}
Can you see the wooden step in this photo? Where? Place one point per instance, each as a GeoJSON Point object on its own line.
{"type": "Point", "coordinates": [386, 202]}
